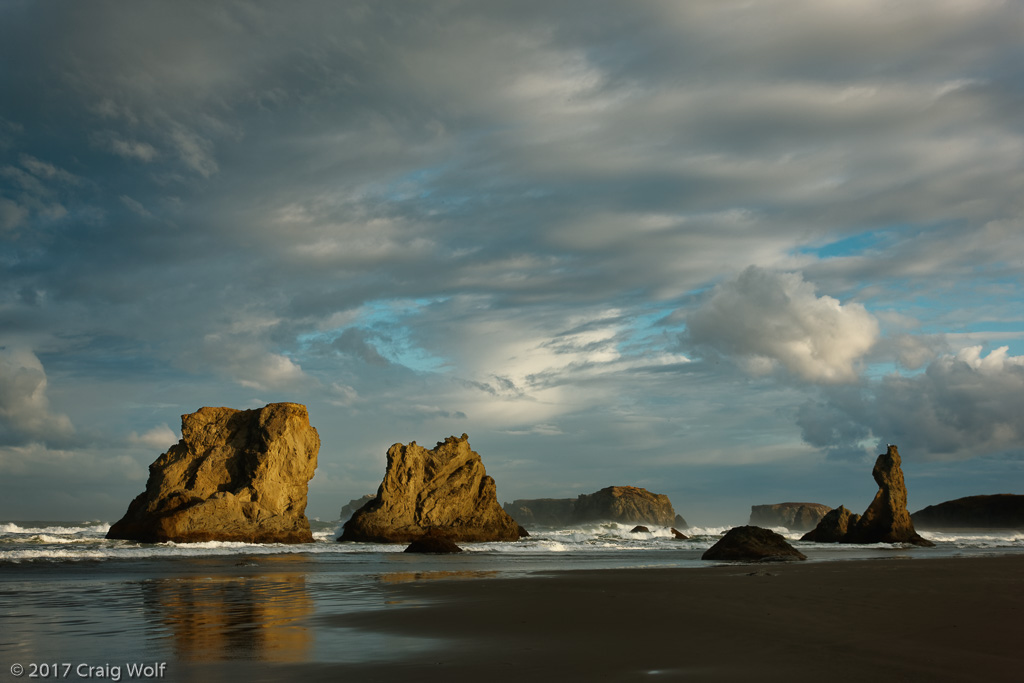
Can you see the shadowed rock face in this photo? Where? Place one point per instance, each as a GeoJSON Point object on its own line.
{"type": "Point", "coordinates": [885, 521]}
{"type": "Point", "coordinates": [752, 544]}
{"type": "Point", "coordinates": [795, 516]}
{"type": "Point", "coordinates": [444, 489]}
{"type": "Point", "coordinates": [1000, 511]}
{"type": "Point", "coordinates": [626, 504]}
{"type": "Point", "coordinates": [350, 507]}
{"type": "Point", "coordinates": [833, 527]}
{"type": "Point", "coordinates": [236, 475]}
{"type": "Point", "coordinates": [533, 512]}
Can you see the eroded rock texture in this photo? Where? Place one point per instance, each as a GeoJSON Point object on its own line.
{"type": "Point", "coordinates": [444, 490]}
{"type": "Point", "coordinates": [625, 504]}
{"type": "Point", "coordinates": [235, 475]}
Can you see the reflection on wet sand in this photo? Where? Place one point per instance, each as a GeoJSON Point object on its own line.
{"type": "Point", "coordinates": [406, 577]}
{"type": "Point", "coordinates": [216, 618]}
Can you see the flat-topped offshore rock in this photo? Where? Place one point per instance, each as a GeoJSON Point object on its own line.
{"type": "Point", "coordinates": [794, 516]}
{"type": "Point", "coordinates": [625, 504]}
{"type": "Point", "coordinates": [235, 475]}
{"type": "Point", "coordinates": [999, 511]}
{"type": "Point", "coordinates": [443, 490]}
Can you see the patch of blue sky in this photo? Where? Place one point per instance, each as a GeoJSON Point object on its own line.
{"type": "Point", "coordinates": [649, 331]}
{"type": "Point", "coordinates": [416, 184]}
{"type": "Point", "coordinates": [847, 246]}
{"type": "Point", "coordinates": [389, 317]}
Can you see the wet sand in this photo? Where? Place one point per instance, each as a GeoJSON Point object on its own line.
{"type": "Point", "coordinates": [955, 619]}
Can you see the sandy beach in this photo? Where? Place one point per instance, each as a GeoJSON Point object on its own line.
{"type": "Point", "coordinates": [956, 619]}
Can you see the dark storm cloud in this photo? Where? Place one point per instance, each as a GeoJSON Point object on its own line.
{"type": "Point", "coordinates": [960, 407]}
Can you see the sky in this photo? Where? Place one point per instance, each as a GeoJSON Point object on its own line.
{"type": "Point", "coordinates": [722, 250]}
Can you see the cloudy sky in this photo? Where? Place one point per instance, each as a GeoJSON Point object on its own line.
{"type": "Point", "coordinates": [722, 250]}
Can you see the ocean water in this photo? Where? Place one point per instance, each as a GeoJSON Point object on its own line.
{"type": "Point", "coordinates": [70, 597]}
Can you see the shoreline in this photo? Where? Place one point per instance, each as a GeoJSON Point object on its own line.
{"type": "Point", "coordinates": [942, 619]}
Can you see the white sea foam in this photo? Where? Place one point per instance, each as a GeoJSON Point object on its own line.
{"type": "Point", "coordinates": [63, 542]}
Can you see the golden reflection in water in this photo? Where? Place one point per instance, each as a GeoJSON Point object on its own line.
{"type": "Point", "coordinates": [406, 577]}
{"type": "Point", "coordinates": [216, 618]}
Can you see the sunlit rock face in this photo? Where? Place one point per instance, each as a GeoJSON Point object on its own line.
{"type": "Point", "coordinates": [444, 490]}
{"type": "Point", "coordinates": [236, 475]}
{"type": "Point", "coordinates": [625, 504]}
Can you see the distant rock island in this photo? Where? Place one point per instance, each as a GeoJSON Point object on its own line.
{"type": "Point", "coordinates": [235, 475]}
{"type": "Point", "coordinates": [442, 491]}
{"type": "Point", "coordinates": [885, 521]}
{"type": "Point", "coordinates": [999, 511]}
{"type": "Point", "coordinates": [793, 516]}
{"type": "Point", "coordinates": [623, 504]}
{"type": "Point", "coordinates": [548, 512]}
{"type": "Point", "coordinates": [350, 507]}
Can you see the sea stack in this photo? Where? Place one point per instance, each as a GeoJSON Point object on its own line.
{"type": "Point", "coordinates": [443, 491]}
{"type": "Point", "coordinates": [833, 527]}
{"type": "Point", "coordinates": [886, 520]}
{"type": "Point", "coordinates": [236, 475]}
{"type": "Point", "coordinates": [625, 504]}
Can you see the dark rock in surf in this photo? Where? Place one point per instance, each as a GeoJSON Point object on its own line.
{"type": "Point", "coordinates": [833, 527]}
{"type": "Point", "coordinates": [752, 544]}
{"type": "Point", "coordinates": [433, 544]}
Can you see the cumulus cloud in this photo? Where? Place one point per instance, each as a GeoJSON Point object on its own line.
{"type": "Point", "coordinates": [159, 438]}
{"type": "Point", "coordinates": [962, 406]}
{"type": "Point", "coordinates": [248, 363]}
{"type": "Point", "coordinates": [25, 415]}
{"type": "Point", "coordinates": [11, 215]}
{"type": "Point", "coordinates": [764, 319]}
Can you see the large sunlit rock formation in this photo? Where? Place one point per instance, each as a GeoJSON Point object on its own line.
{"type": "Point", "coordinates": [443, 491]}
{"type": "Point", "coordinates": [235, 475]}
{"type": "Point", "coordinates": [625, 504]}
